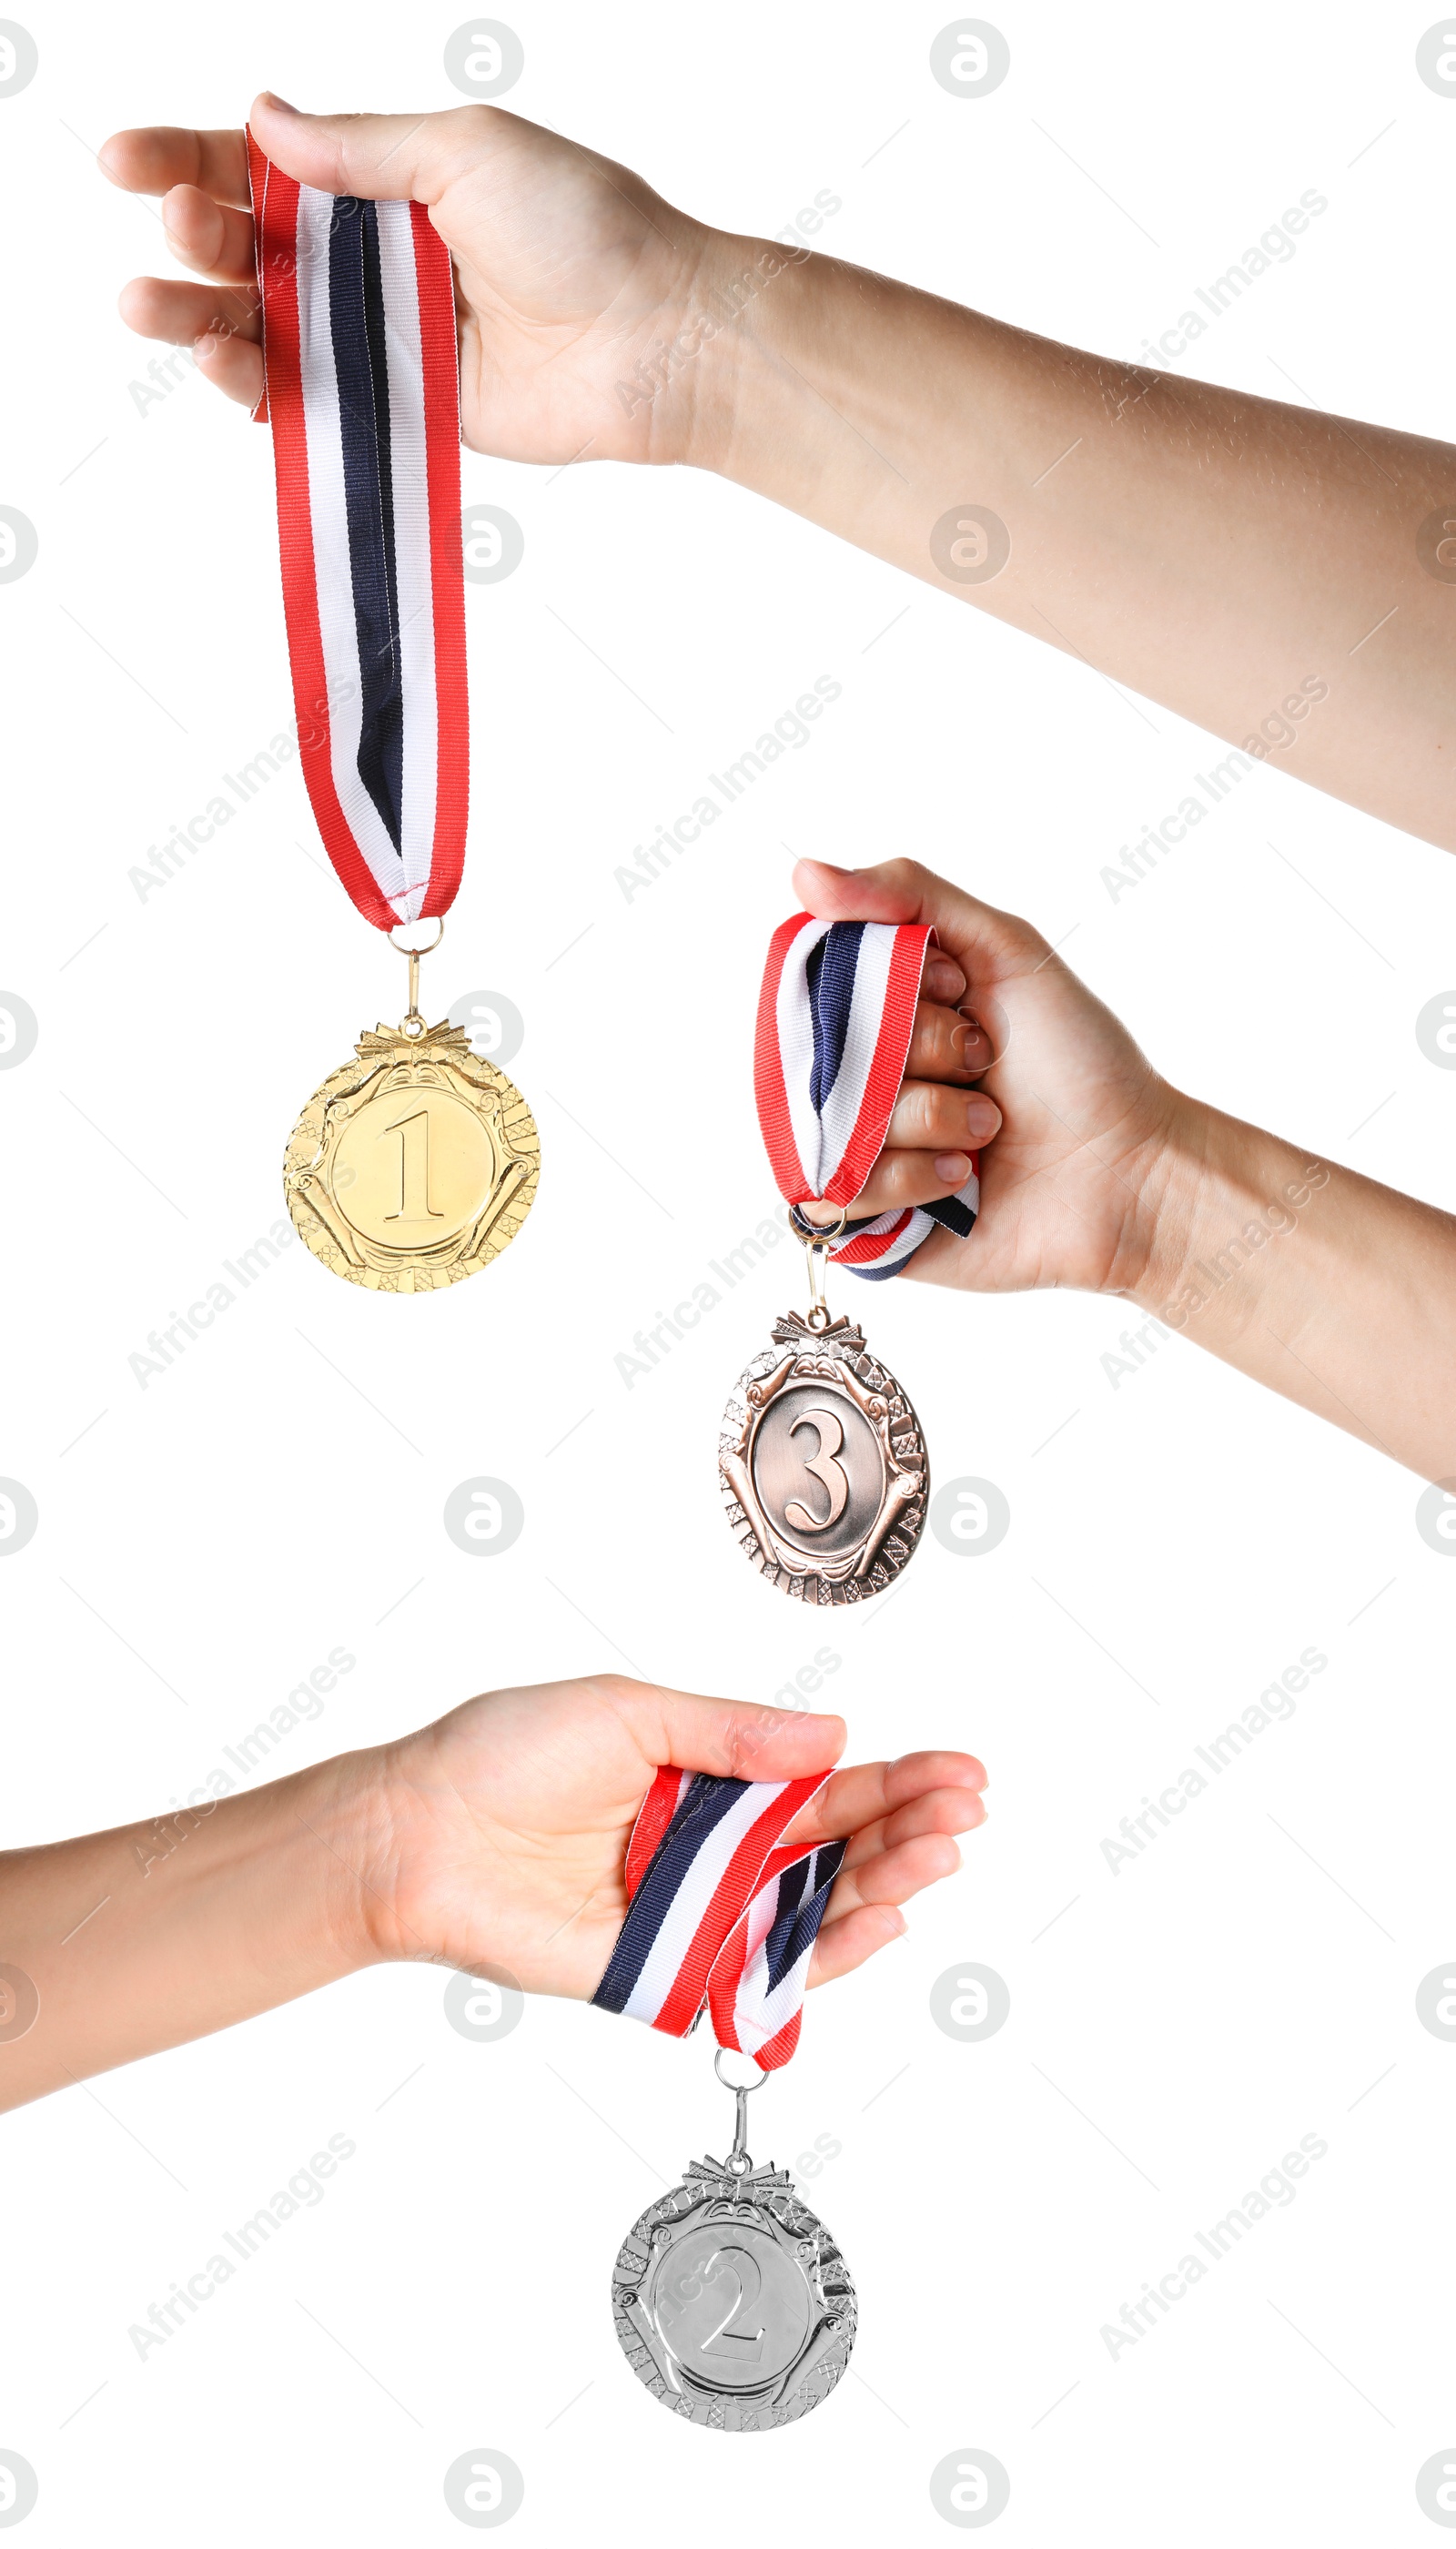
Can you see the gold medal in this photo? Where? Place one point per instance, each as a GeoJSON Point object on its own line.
{"type": "Point", "coordinates": [416, 1163]}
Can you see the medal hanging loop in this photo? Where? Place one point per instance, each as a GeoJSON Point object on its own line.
{"type": "Point", "coordinates": [413, 1023]}
{"type": "Point", "coordinates": [817, 1250]}
{"type": "Point", "coordinates": [737, 2160]}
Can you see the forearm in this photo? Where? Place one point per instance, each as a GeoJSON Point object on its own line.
{"type": "Point", "coordinates": [160, 1932]}
{"type": "Point", "coordinates": [1335, 1291]}
{"type": "Point", "coordinates": [1221, 553]}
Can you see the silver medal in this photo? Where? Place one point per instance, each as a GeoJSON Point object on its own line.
{"type": "Point", "coordinates": [730, 2299]}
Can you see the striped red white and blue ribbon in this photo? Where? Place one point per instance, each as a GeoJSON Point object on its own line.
{"type": "Point", "coordinates": [836, 1015]}
{"type": "Point", "coordinates": [362, 392]}
{"type": "Point", "coordinates": [722, 1911]}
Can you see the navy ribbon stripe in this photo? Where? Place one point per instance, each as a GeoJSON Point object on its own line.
{"type": "Point", "coordinates": [356, 320]}
{"type": "Point", "coordinates": [701, 1809]}
{"type": "Point", "coordinates": [831, 977]}
{"type": "Point", "coordinates": [804, 1892]}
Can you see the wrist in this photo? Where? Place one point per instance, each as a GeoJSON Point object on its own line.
{"type": "Point", "coordinates": [1125, 1231]}
{"type": "Point", "coordinates": [1224, 1193]}
{"type": "Point", "coordinates": [401, 1803]}
{"type": "Point", "coordinates": [340, 1813]}
{"type": "Point", "coordinates": [1166, 1207]}
{"type": "Point", "coordinates": [692, 374]}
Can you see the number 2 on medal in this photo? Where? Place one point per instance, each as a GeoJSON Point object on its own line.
{"type": "Point", "coordinates": [413, 1203]}
{"type": "Point", "coordinates": [743, 2343]}
{"type": "Point", "coordinates": [822, 1466]}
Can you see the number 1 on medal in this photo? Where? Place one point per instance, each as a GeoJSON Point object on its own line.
{"type": "Point", "coordinates": [414, 1205]}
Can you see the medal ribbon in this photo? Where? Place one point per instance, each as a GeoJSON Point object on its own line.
{"type": "Point", "coordinates": [836, 1015]}
{"type": "Point", "coordinates": [721, 1910]}
{"type": "Point", "coordinates": [362, 392]}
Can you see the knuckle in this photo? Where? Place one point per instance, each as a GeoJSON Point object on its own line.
{"type": "Point", "coordinates": [946, 1115]}
{"type": "Point", "coordinates": [956, 1045]}
{"type": "Point", "coordinates": [901, 1175]}
{"type": "Point", "coordinates": [745, 1737]}
{"type": "Point", "coordinates": [900, 872]}
{"type": "Point", "coordinates": [617, 1689]}
{"type": "Point", "coordinates": [917, 1119]}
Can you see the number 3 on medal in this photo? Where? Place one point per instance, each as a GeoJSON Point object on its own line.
{"type": "Point", "coordinates": [824, 1466]}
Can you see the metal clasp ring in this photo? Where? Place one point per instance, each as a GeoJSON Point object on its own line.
{"type": "Point", "coordinates": [738, 2161]}
{"type": "Point", "coordinates": [817, 1249]}
{"type": "Point", "coordinates": [412, 1023]}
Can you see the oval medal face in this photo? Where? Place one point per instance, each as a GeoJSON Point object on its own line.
{"type": "Point", "coordinates": [821, 1464]}
{"type": "Point", "coordinates": [413, 1166]}
{"type": "Point", "coordinates": [731, 2301]}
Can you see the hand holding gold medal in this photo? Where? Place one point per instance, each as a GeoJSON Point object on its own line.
{"type": "Point", "coordinates": [416, 1163]}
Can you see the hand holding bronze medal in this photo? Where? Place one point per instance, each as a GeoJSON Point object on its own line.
{"type": "Point", "coordinates": [822, 1466]}
{"type": "Point", "coordinates": [730, 2299]}
{"type": "Point", "coordinates": [416, 1163]}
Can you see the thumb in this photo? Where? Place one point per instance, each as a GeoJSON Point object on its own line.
{"type": "Point", "coordinates": [380, 156]}
{"type": "Point", "coordinates": [975, 933]}
{"type": "Point", "coordinates": [732, 1739]}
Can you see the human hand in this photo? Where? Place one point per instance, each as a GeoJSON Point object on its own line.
{"type": "Point", "coordinates": [500, 1834]}
{"type": "Point", "coordinates": [1072, 1122]}
{"type": "Point", "coordinates": [569, 270]}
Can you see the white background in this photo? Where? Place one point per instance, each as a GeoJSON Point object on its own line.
{"type": "Point", "coordinates": [1175, 1542]}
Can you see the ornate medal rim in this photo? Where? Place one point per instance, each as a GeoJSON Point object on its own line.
{"type": "Point", "coordinates": [835, 1354]}
{"type": "Point", "coordinates": [712, 2190]}
{"type": "Point", "coordinates": [441, 1056]}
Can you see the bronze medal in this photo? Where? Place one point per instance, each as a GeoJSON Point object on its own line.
{"type": "Point", "coordinates": [822, 1461]}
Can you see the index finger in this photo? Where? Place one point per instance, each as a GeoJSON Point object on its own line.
{"type": "Point", "coordinates": [868, 1790]}
{"type": "Point", "coordinates": [980, 938]}
{"type": "Point", "coordinates": [152, 158]}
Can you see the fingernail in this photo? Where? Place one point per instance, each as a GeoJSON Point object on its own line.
{"type": "Point", "coordinates": [983, 1115]}
{"type": "Point", "coordinates": [953, 1167]}
{"type": "Point", "coordinates": [271, 98]}
{"type": "Point", "coordinates": [203, 347]}
{"type": "Point", "coordinates": [900, 1920]}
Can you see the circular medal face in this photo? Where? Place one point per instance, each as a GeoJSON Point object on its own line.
{"type": "Point", "coordinates": [413, 1166]}
{"type": "Point", "coordinates": [731, 2301]}
{"type": "Point", "coordinates": [821, 1464]}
